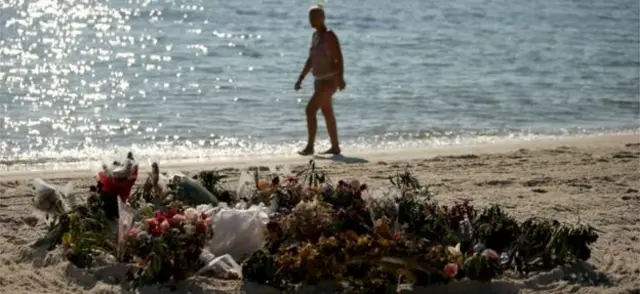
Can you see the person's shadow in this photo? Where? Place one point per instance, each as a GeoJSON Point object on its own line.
{"type": "Point", "coordinates": [341, 158]}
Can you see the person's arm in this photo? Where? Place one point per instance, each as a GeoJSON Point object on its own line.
{"type": "Point", "coordinates": [305, 69]}
{"type": "Point", "coordinates": [307, 64]}
{"type": "Point", "coordinates": [334, 44]}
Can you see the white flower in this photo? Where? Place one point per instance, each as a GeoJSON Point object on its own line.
{"type": "Point", "coordinates": [191, 214]}
{"type": "Point", "coordinates": [190, 229]}
{"type": "Point", "coordinates": [355, 184]}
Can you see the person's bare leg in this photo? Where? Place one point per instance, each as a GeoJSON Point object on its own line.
{"type": "Point", "coordinates": [312, 122]}
{"type": "Point", "coordinates": [332, 127]}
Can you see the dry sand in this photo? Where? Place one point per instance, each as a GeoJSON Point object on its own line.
{"type": "Point", "coordinates": [595, 180]}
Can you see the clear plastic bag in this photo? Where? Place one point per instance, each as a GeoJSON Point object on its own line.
{"type": "Point", "coordinates": [246, 186]}
{"type": "Point", "coordinates": [238, 232]}
{"type": "Point", "coordinates": [49, 199]}
{"type": "Point", "coordinates": [125, 222]}
{"type": "Point", "coordinates": [123, 171]}
{"type": "Point", "coordinates": [224, 264]}
{"type": "Point", "coordinates": [119, 167]}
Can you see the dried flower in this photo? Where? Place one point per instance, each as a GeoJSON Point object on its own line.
{"type": "Point", "coordinates": [263, 184]}
{"type": "Point", "coordinates": [327, 189]}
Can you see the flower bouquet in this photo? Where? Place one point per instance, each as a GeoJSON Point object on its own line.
{"type": "Point", "coordinates": [52, 200]}
{"type": "Point", "coordinates": [116, 180]}
{"type": "Point", "coordinates": [167, 246]}
{"type": "Point", "coordinates": [87, 232]}
{"type": "Point", "coordinates": [83, 230]}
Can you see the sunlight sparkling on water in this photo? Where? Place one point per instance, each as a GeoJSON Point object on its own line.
{"type": "Point", "coordinates": [198, 79]}
{"type": "Point", "coordinates": [55, 52]}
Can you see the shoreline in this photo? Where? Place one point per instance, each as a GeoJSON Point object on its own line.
{"type": "Point", "coordinates": [602, 140]}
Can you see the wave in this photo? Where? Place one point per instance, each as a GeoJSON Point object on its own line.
{"type": "Point", "coordinates": [236, 148]}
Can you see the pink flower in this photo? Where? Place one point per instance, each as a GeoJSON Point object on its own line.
{"type": "Point", "coordinates": [451, 270]}
{"type": "Point", "coordinates": [165, 225]}
{"type": "Point", "coordinates": [179, 218]}
{"type": "Point", "coordinates": [133, 233]}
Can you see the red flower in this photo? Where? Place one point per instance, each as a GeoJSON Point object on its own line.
{"type": "Point", "coordinates": [170, 213]}
{"type": "Point", "coordinates": [396, 236]}
{"type": "Point", "coordinates": [156, 231]}
{"type": "Point", "coordinates": [159, 216]}
{"type": "Point", "coordinates": [173, 222]}
{"type": "Point", "coordinates": [152, 222]}
{"type": "Point", "coordinates": [201, 227]}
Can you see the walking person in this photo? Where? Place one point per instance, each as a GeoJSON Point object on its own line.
{"type": "Point", "coordinates": [326, 64]}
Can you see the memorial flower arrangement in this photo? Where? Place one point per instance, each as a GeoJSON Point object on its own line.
{"type": "Point", "coordinates": [366, 239]}
{"type": "Point", "coordinates": [167, 246]}
{"type": "Point", "coordinates": [347, 235]}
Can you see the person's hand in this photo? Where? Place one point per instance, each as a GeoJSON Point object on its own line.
{"type": "Point", "coordinates": [342, 84]}
{"type": "Point", "coordinates": [298, 85]}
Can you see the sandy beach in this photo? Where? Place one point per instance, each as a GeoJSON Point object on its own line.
{"type": "Point", "coordinates": [594, 180]}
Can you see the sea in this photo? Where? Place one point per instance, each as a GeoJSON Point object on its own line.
{"type": "Point", "coordinates": [83, 80]}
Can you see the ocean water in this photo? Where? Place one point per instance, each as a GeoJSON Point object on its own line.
{"type": "Point", "coordinates": [196, 79]}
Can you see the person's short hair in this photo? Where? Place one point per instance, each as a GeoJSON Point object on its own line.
{"type": "Point", "coordinates": [318, 8]}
